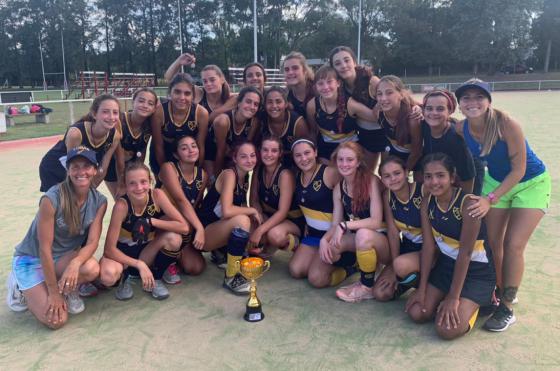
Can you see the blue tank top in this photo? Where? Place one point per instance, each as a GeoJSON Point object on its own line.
{"type": "Point", "coordinates": [497, 160]}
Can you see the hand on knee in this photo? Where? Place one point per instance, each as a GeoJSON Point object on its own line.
{"type": "Point", "coordinates": [417, 315]}
{"type": "Point", "coordinates": [451, 333]}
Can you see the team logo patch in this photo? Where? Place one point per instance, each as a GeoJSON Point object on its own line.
{"type": "Point", "coordinates": [275, 189]}
{"type": "Point", "coordinates": [317, 185]}
{"type": "Point", "coordinates": [417, 201]}
{"type": "Point", "coordinates": [457, 213]}
{"type": "Point", "coordinates": [198, 185]}
{"type": "Point", "coordinates": [245, 186]}
{"type": "Point", "coordinates": [152, 209]}
{"type": "Point", "coordinates": [192, 125]}
{"type": "Point", "coordinates": [393, 205]}
{"type": "Point", "coordinates": [147, 137]}
{"type": "Point", "coordinates": [431, 216]}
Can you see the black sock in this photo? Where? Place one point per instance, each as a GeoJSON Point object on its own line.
{"type": "Point", "coordinates": [164, 259]}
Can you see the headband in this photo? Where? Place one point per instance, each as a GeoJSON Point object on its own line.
{"type": "Point", "coordinates": [302, 140]}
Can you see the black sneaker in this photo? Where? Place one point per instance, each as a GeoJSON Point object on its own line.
{"type": "Point", "coordinates": [237, 284]}
{"type": "Point", "coordinates": [501, 319]}
{"type": "Point", "coordinates": [219, 258]}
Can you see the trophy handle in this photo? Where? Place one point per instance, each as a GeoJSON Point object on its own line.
{"type": "Point", "coordinates": [266, 266]}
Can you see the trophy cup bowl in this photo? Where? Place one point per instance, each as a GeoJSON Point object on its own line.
{"type": "Point", "coordinates": [252, 269]}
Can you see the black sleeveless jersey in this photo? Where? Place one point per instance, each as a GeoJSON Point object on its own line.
{"type": "Point", "coordinates": [171, 130]}
{"type": "Point", "coordinates": [297, 105]}
{"type": "Point", "coordinates": [288, 135]}
{"type": "Point", "coordinates": [316, 202]}
{"type": "Point", "coordinates": [134, 145]}
{"type": "Point", "coordinates": [349, 215]}
{"type": "Point", "coordinates": [151, 210]}
{"type": "Point", "coordinates": [212, 207]}
{"type": "Point", "coordinates": [270, 196]}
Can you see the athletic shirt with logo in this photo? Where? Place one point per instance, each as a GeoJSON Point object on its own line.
{"type": "Point", "coordinates": [134, 145]}
{"type": "Point", "coordinates": [316, 202]}
{"type": "Point", "coordinates": [151, 210]}
{"type": "Point", "coordinates": [171, 130]}
{"type": "Point", "coordinates": [406, 213]}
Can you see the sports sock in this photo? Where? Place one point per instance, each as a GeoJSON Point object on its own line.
{"type": "Point", "coordinates": [163, 259]}
{"type": "Point", "coordinates": [367, 261]}
{"type": "Point", "coordinates": [235, 249]}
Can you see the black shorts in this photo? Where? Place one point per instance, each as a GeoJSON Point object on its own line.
{"type": "Point", "coordinates": [111, 174]}
{"type": "Point", "coordinates": [210, 147]}
{"type": "Point", "coordinates": [479, 284]}
{"type": "Point", "coordinates": [132, 251]}
{"type": "Point", "coordinates": [208, 218]}
{"type": "Point", "coordinates": [372, 140]}
{"type": "Point", "coordinates": [389, 149]}
{"type": "Point", "coordinates": [347, 259]}
{"type": "Point", "coordinates": [50, 173]}
{"type": "Point", "coordinates": [408, 246]}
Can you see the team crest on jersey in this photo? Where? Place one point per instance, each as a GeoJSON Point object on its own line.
{"type": "Point", "coordinates": [317, 185]}
{"type": "Point", "coordinates": [417, 201]}
{"type": "Point", "coordinates": [191, 125]}
{"type": "Point", "coordinates": [245, 187]}
{"type": "Point", "coordinates": [431, 216]}
{"type": "Point", "coordinates": [457, 213]}
{"type": "Point", "coordinates": [290, 139]}
{"type": "Point", "coordinates": [147, 137]}
{"type": "Point", "coordinates": [275, 189]}
{"type": "Point", "coordinates": [393, 205]}
{"type": "Point", "coordinates": [152, 209]}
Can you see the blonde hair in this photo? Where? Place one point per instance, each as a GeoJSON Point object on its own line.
{"type": "Point", "coordinates": [493, 122]}
{"type": "Point", "coordinates": [69, 206]}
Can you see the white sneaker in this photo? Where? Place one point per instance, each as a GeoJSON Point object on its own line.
{"type": "Point", "coordinates": [15, 299]}
{"type": "Point", "coordinates": [75, 303]}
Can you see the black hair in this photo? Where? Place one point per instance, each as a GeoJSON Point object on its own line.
{"type": "Point", "coordinates": [444, 159]}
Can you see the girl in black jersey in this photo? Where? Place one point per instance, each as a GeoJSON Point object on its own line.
{"type": "Point", "coordinates": [439, 135]}
{"type": "Point", "coordinates": [357, 221]}
{"type": "Point", "coordinates": [401, 205]}
{"type": "Point", "coordinates": [456, 269]}
{"type": "Point", "coordinates": [185, 182]}
{"type": "Point", "coordinates": [215, 94]}
{"type": "Point", "coordinates": [97, 130]}
{"type": "Point", "coordinates": [299, 80]}
{"type": "Point", "coordinates": [227, 218]}
{"type": "Point", "coordinates": [359, 82]}
{"type": "Point", "coordinates": [331, 115]}
{"type": "Point", "coordinates": [272, 194]}
{"type": "Point", "coordinates": [239, 124]}
{"type": "Point", "coordinates": [254, 75]}
{"type": "Point", "coordinates": [282, 122]}
{"type": "Point", "coordinates": [314, 194]}
{"type": "Point", "coordinates": [177, 117]}
{"type": "Point", "coordinates": [135, 130]}
{"type": "Point", "coordinates": [143, 235]}
{"type": "Point", "coordinates": [401, 129]}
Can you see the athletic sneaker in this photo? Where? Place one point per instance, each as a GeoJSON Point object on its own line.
{"type": "Point", "coordinates": [237, 284]}
{"type": "Point", "coordinates": [219, 258]}
{"type": "Point", "coordinates": [502, 318]}
{"type": "Point", "coordinates": [75, 303]}
{"type": "Point", "coordinates": [124, 291]}
{"type": "Point", "coordinates": [15, 299]}
{"type": "Point", "coordinates": [355, 293]}
{"type": "Point", "coordinates": [87, 290]}
{"type": "Point", "coordinates": [160, 291]}
{"type": "Point", "coordinates": [171, 275]}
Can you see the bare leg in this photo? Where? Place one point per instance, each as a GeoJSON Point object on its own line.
{"type": "Point", "coordinates": [192, 261]}
{"type": "Point", "coordinates": [37, 303]}
{"type": "Point", "coordinates": [111, 271]}
{"type": "Point", "coordinates": [496, 223]}
{"type": "Point", "coordinates": [467, 309]}
{"type": "Point", "coordinates": [113, 188]}
{"type": "Point", "coordinates": [522, 223]}
{"type": "Point", "coordinates": [434, 296]}
{"type": "Point", "coordinates": [301, 261]}
{"type": "Point", "coordinates": [217, 234]}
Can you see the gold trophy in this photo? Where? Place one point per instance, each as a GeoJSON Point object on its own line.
{"type": "Point", "coordinates": [253, 268]}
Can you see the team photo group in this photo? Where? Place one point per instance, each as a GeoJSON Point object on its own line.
{"type": "Point", "coordinates": [432, 198]}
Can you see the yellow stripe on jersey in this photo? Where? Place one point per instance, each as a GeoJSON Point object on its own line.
{"type": "Point", "coordinates": [317, 219]}
{"type": "Point", "coordinates": [330, 137]}
{"type": "Point", "coordinates": [450, 247]}
{"type": "Point", "coordinates": [394, 143]}
{"type": "Point", "coordinates": [412, 233]}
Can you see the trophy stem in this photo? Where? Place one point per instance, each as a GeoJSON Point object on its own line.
{"type": "Point", "coordinates": [253, 311]}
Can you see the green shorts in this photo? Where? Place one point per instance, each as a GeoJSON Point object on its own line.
{"type": "Point", "coordinates": [531, 194]}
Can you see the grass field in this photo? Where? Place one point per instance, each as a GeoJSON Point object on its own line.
{"type": "Point", "coordinates": [201, 327]}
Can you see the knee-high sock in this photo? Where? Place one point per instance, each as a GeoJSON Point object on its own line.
{"type": "Point", "coordinates": [235, 249]}
{"type": "Point", "coordinates": [163, 259]}
{"type": "Point", "coordinates": [367, 261]}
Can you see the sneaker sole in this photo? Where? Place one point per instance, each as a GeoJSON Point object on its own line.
{"type": "Point", "coordinates": [353, 300]}
{"type": "Point", "coordinates": [172, 282]}
{"type": "Point", "coordinates": [510, 322]}
{"type": "Point", "coordinates": [238, 293]}
{"type": "Point", "coordinates": [123, 299]}
{"type": "Point", "coordinates": [160, 297]}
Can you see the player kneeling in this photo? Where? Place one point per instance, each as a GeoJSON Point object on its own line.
{"type": "Point", "coordinates": [144, 236]}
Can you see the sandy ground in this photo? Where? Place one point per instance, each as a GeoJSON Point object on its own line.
{"type": "Point", "coordinates": [201, 327]}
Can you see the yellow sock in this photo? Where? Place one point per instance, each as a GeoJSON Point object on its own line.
{"type": "Point", "coordinates": [472, 320]}
{"type": "Point", "coordinates": [231, 269]}
{"type": "Point", "coordinates": [337, 276]}
{"type": "Point", "coordinates": [367, 260]}
{"type": "Point", "coordinates": [293, 242]}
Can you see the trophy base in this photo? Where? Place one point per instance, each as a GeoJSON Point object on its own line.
{"type": "Point", "coordinates": [253, 314]}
